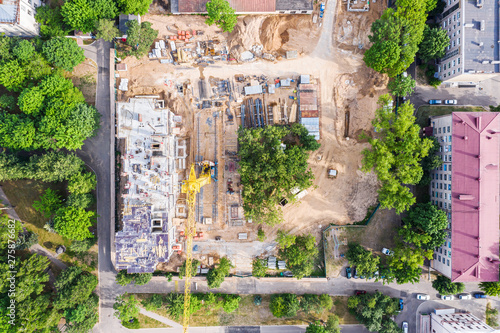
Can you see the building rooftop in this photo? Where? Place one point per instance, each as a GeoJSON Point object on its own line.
{"type": "Point", "coordinates": [294, 5]}
{"type": "Point", "coordinates": [475, 191]}
{"type": "Point", "coordinates": [481, 36]}
{"type": "Point", "coordinates": [150, 184]}
{"type": "Point", "coordinates": [449, 320]}
{"type": "Point", "coordinates": [8, 11]}
{"type": "Point", "coordinates": [240, 6]}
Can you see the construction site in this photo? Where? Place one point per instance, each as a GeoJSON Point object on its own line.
{"type": "Point", "coordinates": [271, 70]}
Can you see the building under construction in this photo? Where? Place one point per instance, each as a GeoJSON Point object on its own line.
{"type": "Point", "coordinates": [151, 155]}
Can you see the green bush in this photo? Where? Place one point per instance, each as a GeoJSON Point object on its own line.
{"type": "Point", "coordinates": [259, 268]}
{"type": "Point", "coordinates": [153, 302]}
{"type": "Point", "coordinates": [444, 286]}
{"type": "Point", "coordinates": [284, 305]}
{"type": "Point", "coordinates": [231, 303]}
{"type": "Point", "coordinates": [26, 240]}
{"type": "Point", "coordinates": [133, 324]}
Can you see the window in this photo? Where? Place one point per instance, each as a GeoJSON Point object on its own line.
{"type": "Point", "coordinates": [282, 12]}
{"type": "Point", "coordinates": [304, 12]}
{"type": "Point", "coordinates": [458, 60]}
{"type": "Point", "coordinates": [439, 130]}
{"type": "Point", "coordinates": [458, 42]}
{"type": "Point", "coordinates": [453, 60]}
{"type": "Point", "coordinates": [449, 138]}
{"type": "Point", "coordinates": [441, 177]}
{"type": "Point", "coordinates": [449, 73]}
{"type": "Point", "coordinates": [439, 258]}
{"type": "Point", "coordinates": [448, 130]}
{"type": "Point", "coordinates": [29, 12]}
{"type": "Point", "coordinates": [454, 18]}
{"type": "Point", "coordinates": [458, 15]}
{"type": "Point", "coordinates": [446, 196]}
{"type": "Point", "coordinates": [450, 166]}
{"type": "Point", "coordinates": [449, 176]}
{"type": "Point", "coordinates": [440, 205]}
{"type": "Point", "coordinates": [293, 12]}
{"type": "Point", "coordinates": [448, 262]}
{"type": "Point", "coordinates": [449, 245]}
{"type": "Point", "coordinates": [445, 252]}
{"type": "Point", "coordinates": [449, 20]}
{"type": "Point", "coordinates": [445, 205]}
{"type": "Point", "coordinates": [440, 250]}
{"type": "Point", "coordinates": [453, 71]}
{"type": "Point", "coordinates": [445, 177]}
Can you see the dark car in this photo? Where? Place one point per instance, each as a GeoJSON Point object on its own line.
{"type": "Point", "coordinates": [401, 305]}
{"type": "Point", "coordinates": [479, 295]}
{"type": "Point", "coordinates": [348, 272]}
{"type": "Point", "coordinates": [355, 273]}
{"type": "Point", "coordinates": [359, 292]}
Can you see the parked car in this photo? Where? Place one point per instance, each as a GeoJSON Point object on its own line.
{"type": "Point", "coordinates": [479, 295]}
{"type": "Point", "coordinates": [405, 327]}
{"type": "Point", "coordinates": [423, 297]}
{"type": "Point", "coordinates": [451, 101]}
{"type": "Point", "coordinates": [435, 101]}
{"type": "Point", "coordinates": [348, 272]}
{"type": "Point", "coordinates": [401, 304]}
{"type": "Point", "coordinates": [387, 252]}
{"type": "Point", "coordinates": [465, 296]}
{"type": "Point", "coordinates": [355, 273]}
{"type": "Point", "coordinates": [359, 292]}
{"type": "Point", "coordinates": [447, 297]}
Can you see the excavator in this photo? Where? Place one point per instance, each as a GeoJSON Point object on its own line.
{"type": "Point", "coordinates": [191, 187]}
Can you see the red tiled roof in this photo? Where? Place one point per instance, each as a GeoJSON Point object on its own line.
{"type": "Point", "coordinates": [475, 195]}
{"type": "Point", "coordinates": [240, 6]}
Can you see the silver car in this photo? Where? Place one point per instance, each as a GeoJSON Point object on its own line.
{"type": "Point", "coordinates": [423, 297]}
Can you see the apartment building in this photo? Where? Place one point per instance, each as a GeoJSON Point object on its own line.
{"type": "Point", "coordinates": [247, 6]}
{"type": "Point", "coordinates": [449, 320]}
{"type": "Point", "coordinates": [466, 187]}
{"type": "Point", "coordinates": [17, 17]}
{"type": "Point", "coordinates": [473, 53]}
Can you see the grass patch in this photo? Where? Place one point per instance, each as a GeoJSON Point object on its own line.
{"type": "Point", "coordinates": [250, 314]}
{"type": "Point", "coordinates": [425, 111]}
{"type": "Point", "coordinates": [22, 194]}
{"type": "Point", "coordinates": [148, 322]}
{"type": "Point", "coordinates": [491, 315]}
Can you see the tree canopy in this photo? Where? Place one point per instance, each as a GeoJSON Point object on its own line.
{"type": "Point", "coordinates": [63, 52]}
{"type": "Point", "coordinates": [127, 307]}
{"type": "Point", "coordinates": [375, 311]}
{"type": "Point", "coordinates": [137, 7]}
{"type": "Point", "coordinates": [425, 226]}
{"type": "Point", "coordinates": [106, 30]}
{"type": "Point", "coordinates": [395, 154]}
{"type": "Point", "coordinates": [140, 37]}
{"type": "Point", "coordinates": [216, 276]}
{"type": "Point", "coordinates": [270, 171]}
{"type": "Point", "coordinates": [366, 264]}
{"type": "Point", "coordinates": [300, 255]}
{"type": "Point", "coordinates": [396, 36]}
{"type": "Point", "coordinates": [405, 264]}
{"type": "Point", "coordinates": [83, 14]}
{"type": "Point", "coordinates": [401, 86]}
{"type": "Point", "coordinates": [74, 223]}
{"type": "Point", "coordinates": [444, 286]}
{"type": "Point", "coordinates": [222, 14]}
{"type": "Point", "coordinates": [490, 288]}
{"type": "Point", "coordinates": [434, 43]}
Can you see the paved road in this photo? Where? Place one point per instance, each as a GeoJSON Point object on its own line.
{"type": "Point", "coordinates": [97, 153]}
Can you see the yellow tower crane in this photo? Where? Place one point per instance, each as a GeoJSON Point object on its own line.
{"type": "Point", "coordinates": [191, 187]}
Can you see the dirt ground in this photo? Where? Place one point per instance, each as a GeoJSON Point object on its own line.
{"type": "Point", "coordinates": [84, 76]}
{"type": "Point", "coordinates": [347, 87]}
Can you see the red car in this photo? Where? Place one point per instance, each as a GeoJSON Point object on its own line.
{"type": "Point", "coordinates": [360, 292]}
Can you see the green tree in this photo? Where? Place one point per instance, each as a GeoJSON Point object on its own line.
{"type": "Point", "coordinates": [8, 229]}
{"type": "Point", "coordinates": [11, 168]}
{"type": "Point", "coordinates": [49, 203]}
{"type": "Point", "coordinates": [395, 154]}
{"type": "Point", "coordinates": [127, 307]}
{"type": "Point", "coordinates": [63, 52]}
{"type": "Point", "coordinates": [83, 310]}
{"type": "Point", "coordinates": [30, 278]}
{"type": "Point", "coordinates": [259, 268]}
{"type": "Point", "coordinates": [53, 166]}
{"type": "Point", "coordinates": [35, 314]}
{"type": "Point", "coordinates": [80, 200]}
{"type": "Point", "coordinates": [231, 303]}
{"type": "Point", "coordinates": [401, 86]}
{"type": "Point", "coordinates": [300, 256]}
{"type": "Point", "coordinates": [434, 44]}
{"type": "Point", "coordinates": [73, 223]}
{"type": "Point", "coordinates": [425, 226]}
{"type": "Point", "coordinates": [140, 37]}
{"type": "Point", "coordinates": [490, 288]}
{"type": "Point", "coordinates": [106, 30]}
{"type": "Point", "coordinates": [123, 278]}
{"type": "Point", "coordinates": [373, 310]}
{"type": "Point", "coordinates": [315, 327]}
{"type": "Point", "coordinates": [82, 182]}
{"type": "Point", "coordinates": [325, 301]}
{"type": "Point", "coordinates": [82, 14]}
{"type": "Point", "coordinates": [444, 286]}
{"type": "Point", "coordinates": [13, 75]}
{"type": "Point", "coordinates": [137, 7]}
{"type": "Point", "coordinates": [405, 264]}
{"type": "Point", "coordinates": [31, 100]}
{"type": "Point", "coordinates": [284, 305]}
{"type": "Point", "coordinates": [261, 235]}
{"type": "Point", "coordinates": [273, 164]}
{"type": "Point", "coordinates": [26, 240]}
{"type": "Point", "coordinates": [194, 268]}
{"type": "Point", "coordinates": [222, 14]}
{"type": "Point", "coordinates": [284, 239]}
{"type": "Point", "coordinates": [175, 305]}
{"type": "Point", "coordinates": [366, 264]}
{"type": "Point", "coordinates": [51, 22]}
{"type": "Point", "coordinates": [83, 245]}
{"type": "Point", "coordinates": [76, 292]}
{"type": "Point", "coordinates": [332, 324]}
{"type": "Point", "coordinates": [23, 50]}
{"type": "Point", "coordinates": [7, 102]}
{"type": "Point", "coordinates": [141, 279]}
{"type": "Point", "coordinates": [216, 276]}
{"type": "Point", "coordinates": [310, 303]}
{"type": "Point", "coordinates": [153, 302]}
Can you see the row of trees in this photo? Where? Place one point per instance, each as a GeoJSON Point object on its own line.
{"type": "Point", "coordinates": [53, 114]}
{"type": "Point", "coordinates": [273, 163]}
{"type": "Point", "coordinates": [395, 154]}
{"type": "Point", "coordinates": [85, 15]}
{"type": "Point", "coordinates": [127, 306]}
{"type": "Point", "coordinates": [288, 305]}
{"type": "Point", "coordinates": [38, 308]}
